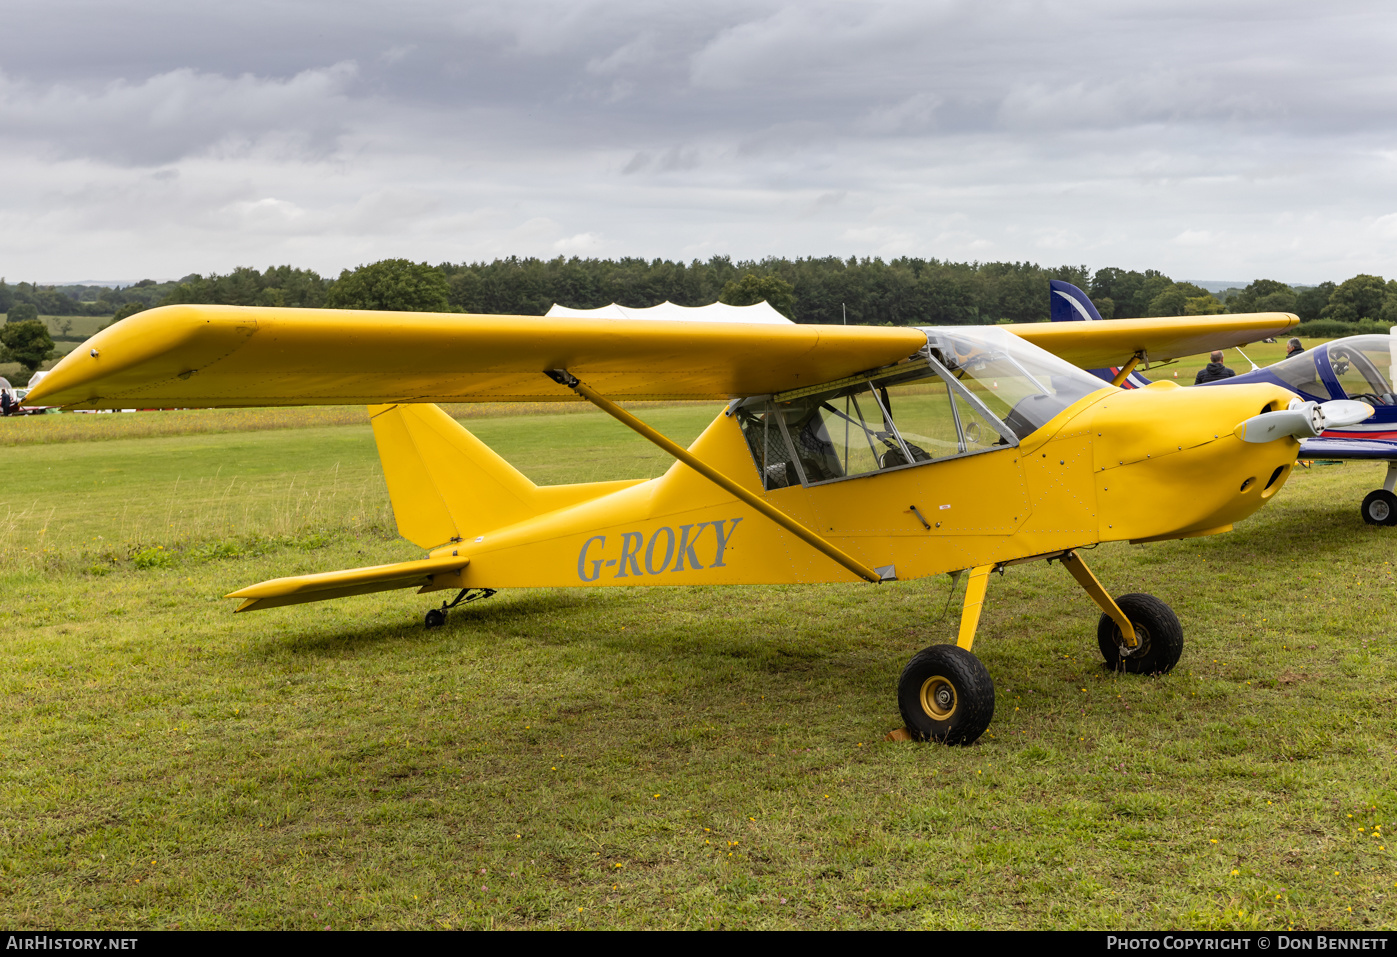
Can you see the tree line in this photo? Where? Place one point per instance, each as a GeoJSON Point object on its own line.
{"type": "Point", "coordinates": [868, 291]}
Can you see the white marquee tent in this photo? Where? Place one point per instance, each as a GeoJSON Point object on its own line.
{"type": "Point", "coordinates": [717, 312]}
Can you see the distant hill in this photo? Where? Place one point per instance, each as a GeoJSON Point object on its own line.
{"type": "Point", "coordinates": [1216, 286]}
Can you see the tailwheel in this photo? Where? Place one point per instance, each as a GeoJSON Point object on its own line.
{"type": "Point", "coordinates": [1157, 628]}
{"type": "Point", "coordinates": [1380, 507]}
{"type": "Point", "coordinates": [437, 616]}
{"type": "Point", "coordinates": [945, 694]}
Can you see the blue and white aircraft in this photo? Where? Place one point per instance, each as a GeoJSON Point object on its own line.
{"type": "Point", "coordinates": [1358, 368]}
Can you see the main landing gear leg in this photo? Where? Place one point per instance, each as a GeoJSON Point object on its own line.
{"type": "Point", "coordinates": [1380, 507]}
{"type": "Point", "coordinates": [1137, 634]}
{"type": "Point", "coordinates": [437, 616]}
{"type": "Point", "coordinates": [945, 694]}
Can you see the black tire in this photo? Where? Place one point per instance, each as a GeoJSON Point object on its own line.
{"type": "Point", "coordinates": [1158, 630]}
{"type": "Point", "coordinates": [435, 618]}
{"type": "Point", "coordinates": [945, 694]}
{"type": "Point", "coordinates": [1380, 507]}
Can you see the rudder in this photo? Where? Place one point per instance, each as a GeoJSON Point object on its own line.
{"type": "Point", "coordinates": [447, 485]}
{"type": "Point", "coordinates": [444, 483]}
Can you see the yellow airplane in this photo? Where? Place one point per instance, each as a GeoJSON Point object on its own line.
{"type": "Point", "coordinates": [843, 454]}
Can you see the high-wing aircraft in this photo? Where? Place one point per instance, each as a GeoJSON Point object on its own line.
{"type": "Point", "coordinates": [1356, 368]}
{"type": "Point", "coordinates": [843, 453]}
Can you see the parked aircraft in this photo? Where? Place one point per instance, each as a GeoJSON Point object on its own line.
{"type": "Point", "coordinates": [844, 453]}
{"type": "Point", "coordinates": [1358, 368]}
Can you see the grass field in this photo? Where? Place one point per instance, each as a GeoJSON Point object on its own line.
{"type": "Point", "coordinates": [1263, 354]}
{"type": "Point", "coordinates": [706, 757]}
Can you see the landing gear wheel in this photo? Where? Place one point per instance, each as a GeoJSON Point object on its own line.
{"type": "Point", "coordinates": [1380, 507]}
{"type": "Point", "coordinates": [435, 618]}
{"type": "Point", "coordinates": [1158, 630]}
{"type": "Point", "coordinates": [945, 694]}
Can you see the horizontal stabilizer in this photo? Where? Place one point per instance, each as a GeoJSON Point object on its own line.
{"type": "Point", "coordinates": [352, 581]}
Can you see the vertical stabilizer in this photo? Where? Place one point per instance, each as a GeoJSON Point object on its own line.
{"type": "Point", "coordinates": [1070, 304]}
{"type": "Point", "coordinates": [444, 482]}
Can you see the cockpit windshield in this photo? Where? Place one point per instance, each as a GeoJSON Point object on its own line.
{"type": "Point", "coordinates": [1023, 385]}
{"type": "Point", "coordinates": [1361, 365]}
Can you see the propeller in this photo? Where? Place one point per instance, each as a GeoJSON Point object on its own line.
{"type": "Point", "coordinates": [1303, 420]}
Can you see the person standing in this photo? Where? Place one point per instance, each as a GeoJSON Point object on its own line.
{"type": "Point", "coordinates": [1214, 370]}
{"type": "Point", "coordinates": [1293, 348]}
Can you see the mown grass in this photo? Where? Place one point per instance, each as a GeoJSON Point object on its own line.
{"type": "Point", "coordinates": [1185, 370]}
{"type": "Point", "coordinates": [52, 428]}
{"type": "Point", "coordinates": [707, 757]}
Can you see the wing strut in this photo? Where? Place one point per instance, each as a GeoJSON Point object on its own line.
{"type": "Point", "coordinates": [563, 377]}
{"type": "Point", "coordinates": [1126, 369]}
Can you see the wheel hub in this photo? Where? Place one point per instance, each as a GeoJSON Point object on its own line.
{"type": "Point", "coordinates": [938, 698]}
{"type": "Point", "coordinates": [1380, 510]}
{"type": "Point", "coordinates": [1142, 642]}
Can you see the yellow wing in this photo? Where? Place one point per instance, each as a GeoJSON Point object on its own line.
{"type": "Point", "coordinates": [1109, 342]}
{"type": "Point", "coordinates": [205, 356]}
{"type": "Point", "coordinates": [227, 356]}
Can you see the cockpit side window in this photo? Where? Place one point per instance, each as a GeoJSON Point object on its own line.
{"type": "Point", "coordinates": [770, 449]}
{"type": "Point", "coordinates": [838, 435]}
{"type": "Point", "coordinates": [902, 417]}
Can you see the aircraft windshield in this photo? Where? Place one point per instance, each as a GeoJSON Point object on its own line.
{"type": "Point", "coordinates": [1023, 385]}
{"type": "Point", "coordinates": [1362, 365]}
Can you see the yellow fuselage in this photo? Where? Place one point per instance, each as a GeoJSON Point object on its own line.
{"type": "Point", "coordinates": [1146, 464]}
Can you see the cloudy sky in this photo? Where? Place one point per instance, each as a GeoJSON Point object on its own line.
{"type": "Point", "coordinates": [1211, 140]}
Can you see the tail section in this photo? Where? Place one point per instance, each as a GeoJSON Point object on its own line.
{"type": "Point", "coordinates": [1070, 304]}
{"type": "Point", "coordinates": [447, 485]}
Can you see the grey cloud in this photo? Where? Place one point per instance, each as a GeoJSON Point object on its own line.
{"type": "Point", "coordinates": [1147, 133]}
{"type": "Point", "coordinates": [172, 115]}
{"type": "Point", "coordinates": [674, 159]}
{"type": "Point", "coordinates": [637, 52]}
{"type": "Point", "coordinates": [911, 115]}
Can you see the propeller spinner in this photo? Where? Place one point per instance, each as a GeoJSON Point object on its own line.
{"type": "Point", "coordinates": [1303, 420]}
